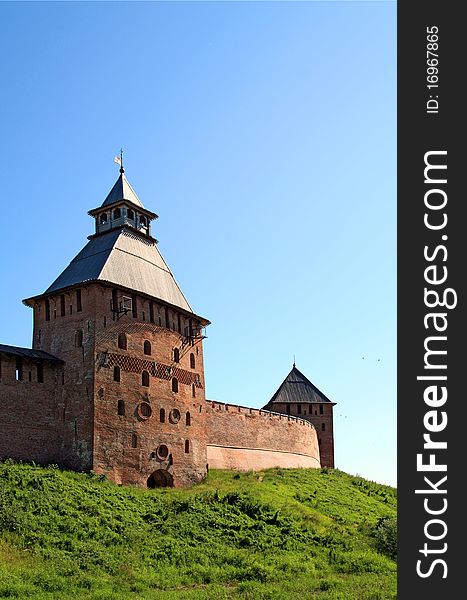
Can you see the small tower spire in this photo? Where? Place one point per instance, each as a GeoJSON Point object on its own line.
{"type": "Point", "coordinates": [293, 361]}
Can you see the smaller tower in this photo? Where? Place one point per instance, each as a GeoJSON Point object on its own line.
{"type": "Point", "coordinates": [297, 396]}
{"type": "Point", "coordinates": [122, 208]}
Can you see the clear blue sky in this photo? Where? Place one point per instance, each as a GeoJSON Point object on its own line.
{"type": "Point", "coordinates": [263, 134]}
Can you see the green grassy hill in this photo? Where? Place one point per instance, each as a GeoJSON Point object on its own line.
{"type": "Point", "coordinates": [275, 534]}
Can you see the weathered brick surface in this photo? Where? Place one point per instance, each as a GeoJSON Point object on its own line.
{"type": "Point", "coordinates": [236, 428]}
{"type": "Point", "coordinates": [247, 459]}
{"type": "Point", "coordinates": [114, 433]}
{"type": "Point", "coordinates": [31, 413]}
{"type": "Point", "coordinates": [60, 336]}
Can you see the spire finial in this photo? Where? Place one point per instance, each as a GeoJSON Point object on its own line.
{"type": "Point", "coordinates": [122, 170]}
{"type": "Point", "coordinates": [119, 161]}
{"type": "Point", "coordinates": [294, 361]}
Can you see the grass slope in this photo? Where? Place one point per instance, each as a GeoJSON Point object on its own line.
{"type": "Point", "coordinates": [275, 534]}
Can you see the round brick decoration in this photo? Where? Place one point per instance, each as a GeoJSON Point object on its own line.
{"type": "Point", "coordinates": [144, 410]}
{"type": "Point", "coordinates": [174, 416]}
{"type": "Point", "coordinates": [162, 452]}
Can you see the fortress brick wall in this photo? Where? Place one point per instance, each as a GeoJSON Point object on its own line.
{"type": "Point", "coordinates": [64, 326]}
{"type": "Point", "coordinates": [31, 410]}
{"type": "Point", "coordinates": [247, 438]}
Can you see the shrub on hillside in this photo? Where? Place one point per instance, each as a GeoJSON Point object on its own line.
{"type": "Point", "coordinates": [385, 533]}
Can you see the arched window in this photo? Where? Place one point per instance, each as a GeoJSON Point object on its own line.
{"type": "Point", "coordinates": [122, 341]}
{"type": "Point", "coordinates": [193, 390]}
{"type": "Point", "coordinates": [187, 446]}
{"type": "Point", "coordinates": [134, 440]}
{"type": "Point", "coordinates": [79, 338]}
{"type": "Point", "coordinates": [117, 213]}
{"type": "Point", "coordinates": [192, 360]}
{"type": "Point", "coordinates": [103, 218]}
{"type": "Point", "coordinates": [176, 355]}
{"type": "Point", "coordinates": [130, 214]}
{"type": "Point", "coordinates": [162, 415]}
{"type": "Point", "coordinates": [116, 373]}
{"type": "Point", "coordinates": [188, 419]}
{"type": "Point", "coordinates": [145, 379]}
{"type": "Point", "coordinates": [147, 347]}
{"type": "Point", "coordinates": [121, 408]}
{"type": "Point", "coordinates": [174, 384]}
{"type": "Point", "coordinates": [323, 426]}
{"type": "Point", "coordinates": [142, 220]}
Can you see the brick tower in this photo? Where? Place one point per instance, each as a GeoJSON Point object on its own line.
{"type": "Point", "coordinates": [297, 396]}
{"type": "Point", "coordinates": [130, 396]}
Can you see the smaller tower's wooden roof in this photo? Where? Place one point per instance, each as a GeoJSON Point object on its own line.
{"type": "Point", "coordinates": [122, 190]}
{"type": "Point", "coordinates": [297, 389]}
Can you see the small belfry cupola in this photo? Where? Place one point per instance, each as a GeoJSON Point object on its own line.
{"type": "Point", "coordinates": [122, 208]}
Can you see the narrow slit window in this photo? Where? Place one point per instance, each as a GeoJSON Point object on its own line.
{"type": "Point", "coordinates": [176, 353]}
{"type": "Point", "coordinates": [122, 341]}
{"type": "Point", "coordinates": [287, 407]}
{"type": "Point", "coordinates": [151, 312]}
{"type": "Point", "coordinates": [162, 415]}
{"type": "Point", "coordinates": [134, 305]}
{"type": "Point", "coordinates": [115, 301]}
{"type": "Point", "coordinates": [134, 441]}
{"type": "Point", "coordinates": [19, 369]}
{"type": "Point", "coordinates": [299, 409]}
{"type": "Point", "coordinates": [62, 305]}
{"type": "Point", "coordinates": [187, 446]}
{"type": "Point", "coordinates": [193, 390]}
{"type": "Point", "coordinates": [40, 372]}
{"type": "Point", "coordinates": [174, 384]}
{"type": "Point", "coordinates": [320, 409]}
{"type": "Point", "coordinates": [192, 361]}
{"type": "Point", "coordinates": [121, 408]}
{"type": "Point", "coordinates": [147, 347]}
{"type": "Point", "coordinates": [79, 306]}
{"type": "Point", "coordinates": [79, 338]}
{"type": "Point", "coordinates": [145, 379]}
{"type": "Point", "coordinates": [117, 373]}
{"type": "Point", "coordinates": [47, 310]}
{"type": "Point", "coordinates": [188, 419]}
